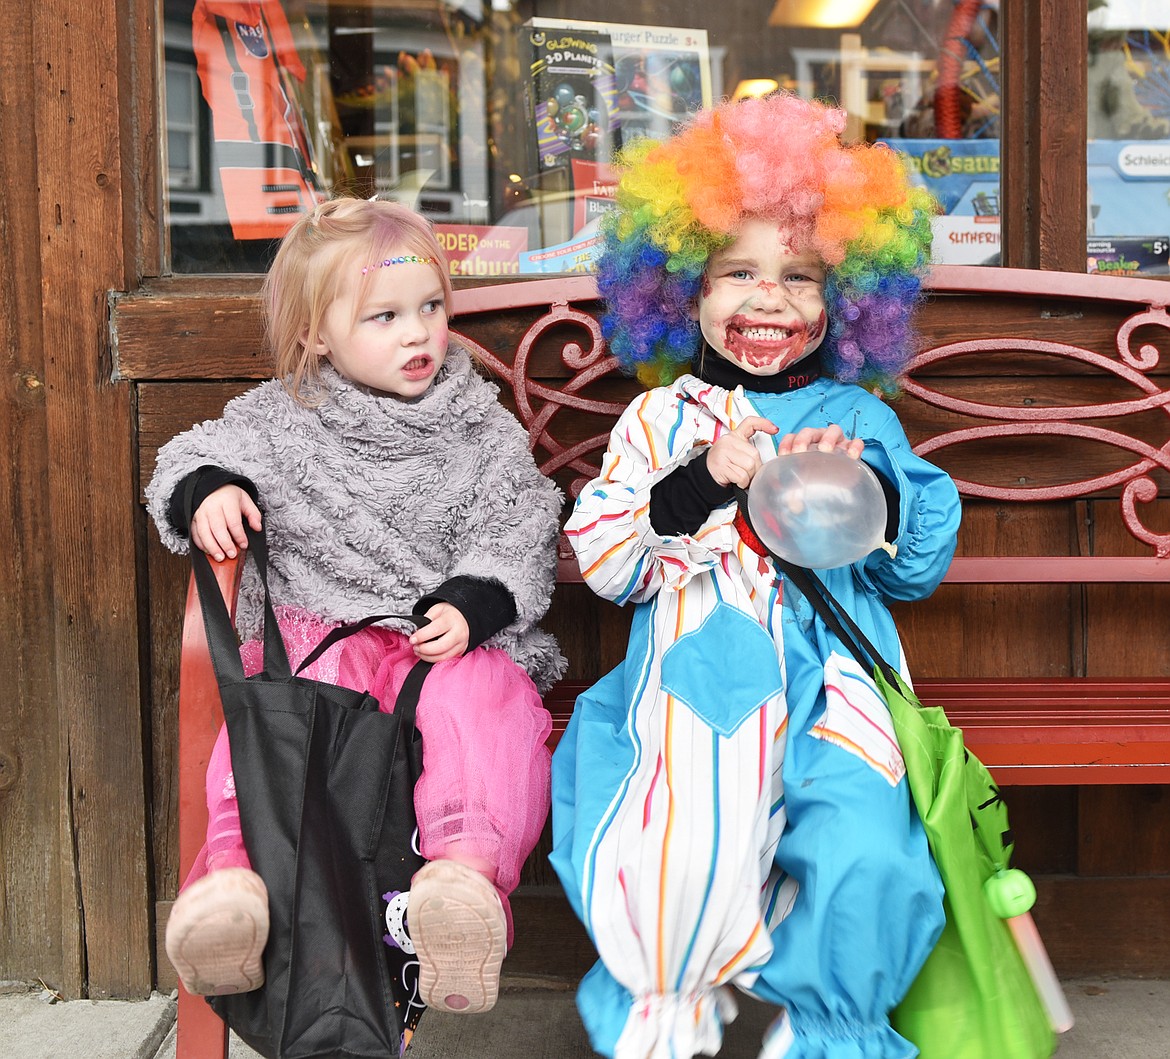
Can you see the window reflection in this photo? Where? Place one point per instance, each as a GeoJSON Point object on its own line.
{"type": "Point", "coordinates": [950, 135]}
{"type": "Point", "coordinates": [1129, 137]}
{"type": "Point", "coordinates": [499, 118]}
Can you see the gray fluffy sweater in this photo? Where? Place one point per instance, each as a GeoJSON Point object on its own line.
{"type": "Point", "coordinates": [370, 503]}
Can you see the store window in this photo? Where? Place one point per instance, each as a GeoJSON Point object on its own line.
{"type": "Point", "coordinates": [1129, 137]}
{"type": "Point", "coordinates": [499, 119]}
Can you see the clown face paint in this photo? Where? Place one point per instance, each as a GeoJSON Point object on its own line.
{"type": "Point", "coordinates": [762, 304]}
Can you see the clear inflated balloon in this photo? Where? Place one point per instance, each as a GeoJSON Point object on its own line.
{"type": "Point", "coordinates": [818, 509]}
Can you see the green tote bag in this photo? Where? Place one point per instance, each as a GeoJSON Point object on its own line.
{"type": "Point", "coordinates": [974, 997]}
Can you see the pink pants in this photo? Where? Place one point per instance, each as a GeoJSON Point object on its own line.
{"type": "Point", "coordinates": [485, 780]}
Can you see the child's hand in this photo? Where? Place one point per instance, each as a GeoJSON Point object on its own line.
{"type": "Point", "coordinates": [824, 438]}
{"type": "Point", "coordinates": [218, 525]}
{"type": "Point", "coordinates": [733, 460]}
{"type": "Point", "coordinates": [444, 638]}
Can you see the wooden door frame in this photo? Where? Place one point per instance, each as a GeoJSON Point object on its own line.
{"type": "Point", "coordinates": [1043, 131]}
{"type": "Point", "coordinates": [78, 128]}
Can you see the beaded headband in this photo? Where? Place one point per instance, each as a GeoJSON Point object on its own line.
{"type": "Point", "coordinates": [402, 259]}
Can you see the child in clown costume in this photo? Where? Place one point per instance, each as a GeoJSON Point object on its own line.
{"type": "Point", "coordinates": [729, 804]}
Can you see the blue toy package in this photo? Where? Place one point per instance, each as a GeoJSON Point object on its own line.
{"type": "Point", "coordinates": [1129, 207]}
{"type": "Point", "coordinates": [1129, 191]}
{"type": "Point", "coordinates": [964, 176]}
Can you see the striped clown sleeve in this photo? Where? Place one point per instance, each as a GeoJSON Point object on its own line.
{"type": "Point", "coordinates": [622, 557]}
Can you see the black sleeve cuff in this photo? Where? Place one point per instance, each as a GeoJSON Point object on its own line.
{"type": "Point", "coordinates": [197, 487]}
{"type": "Point", "coordinates": [485, 603]}
{"type": "Point", "coordinates": [893, 504]}
{"type": "Point", "coordinates": [684, 499]}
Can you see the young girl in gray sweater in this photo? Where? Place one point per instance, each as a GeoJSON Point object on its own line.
{"type": "Point", "coordinates": [388, 479]}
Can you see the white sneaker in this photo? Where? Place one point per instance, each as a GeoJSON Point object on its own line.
{"type": "Point", "coordinates": [217, 932]}
{"type": "Point", "coordinates": [459, 932]}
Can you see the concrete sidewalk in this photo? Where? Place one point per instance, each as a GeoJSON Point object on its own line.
{"type": "Point", "coordinates": [1116, 1019]}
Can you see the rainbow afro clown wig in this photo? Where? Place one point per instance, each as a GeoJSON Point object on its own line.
{"type": "Point", "coordinates": [781, 158]}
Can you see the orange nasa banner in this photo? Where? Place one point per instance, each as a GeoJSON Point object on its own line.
{"type": "Point", "coordinates": [249, 71]}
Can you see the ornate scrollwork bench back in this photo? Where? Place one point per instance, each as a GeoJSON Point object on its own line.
{"type": "Point", "coordinates": [1041, 389]}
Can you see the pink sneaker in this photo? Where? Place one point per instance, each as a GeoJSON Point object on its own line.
{"type": "Point", "coordinates": [459, 931]}
{"type": "Point", "coordinates": [217, 932]}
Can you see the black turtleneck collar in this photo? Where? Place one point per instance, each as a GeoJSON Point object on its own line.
{"type": "Point", "coordinates": [719, 371]}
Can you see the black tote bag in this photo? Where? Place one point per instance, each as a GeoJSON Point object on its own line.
{"type": "Point", "coordinates": [325, 783]}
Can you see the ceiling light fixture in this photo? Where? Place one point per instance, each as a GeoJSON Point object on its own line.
{"type": "Point", "coordinates": [752, 87]}
{"type": "Point", "coordinates": [821, 14]}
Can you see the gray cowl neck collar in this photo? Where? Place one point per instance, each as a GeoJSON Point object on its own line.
{"type": "Point", "coordinates": [454, 404]}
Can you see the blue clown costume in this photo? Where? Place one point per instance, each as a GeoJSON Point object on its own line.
{"type": "Point", "coordinates": [729, 803]}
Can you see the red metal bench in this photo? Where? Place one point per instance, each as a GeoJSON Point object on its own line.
{"type": "Point", "coordinates": [1002, 347]}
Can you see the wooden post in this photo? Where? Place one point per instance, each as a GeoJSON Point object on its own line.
{"type": "Point", "coordinates": [1043, 176]}
{"type": "Point", "coordinates": [72, 821]}
{"type": "Point", "coordinates": [38, 931]}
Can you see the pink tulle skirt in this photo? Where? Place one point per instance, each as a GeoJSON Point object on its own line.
{"type": "Point", "coordinates": [484, 790]}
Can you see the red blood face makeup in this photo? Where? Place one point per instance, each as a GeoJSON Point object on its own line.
{"type": "Point", "coordinates": [762, 303]}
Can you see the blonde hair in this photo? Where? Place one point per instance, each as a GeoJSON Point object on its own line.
{"type": "Point", "coordinates": [322, 252]}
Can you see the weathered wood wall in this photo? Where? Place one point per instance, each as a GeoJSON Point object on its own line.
{"type": "Point", "coordinates": [74, 875]}
{"type": "Point", "coordinates": [31, 818]}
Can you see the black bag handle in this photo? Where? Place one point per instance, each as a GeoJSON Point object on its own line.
{"type": "Point", "coordinates": [407, 701]}
{"type": "Point", "coordinates": [342, 631]}
{"type": "Point", "coordinates": [224, 647]}
{"type": "Point", "coordinates": [221, 634]}
{"type": "Point", "coordinates": [834, 615]}
{"type": "Point", "coordinates": [222, 644]}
